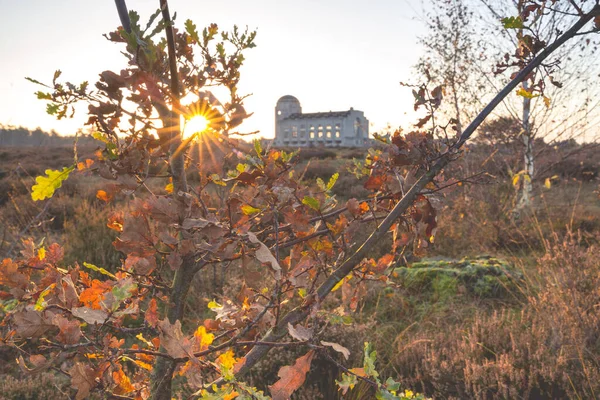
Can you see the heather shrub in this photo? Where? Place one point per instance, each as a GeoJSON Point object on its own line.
{"type": "Point", "coordinates": [44, 386]}
{"type": "Point", "coordinates": [548, 349]}
{"type": "Point", "coordinates": [87, 237]}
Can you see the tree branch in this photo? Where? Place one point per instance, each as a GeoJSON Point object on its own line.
{"type": "Point", "coordinates": [300, 313]}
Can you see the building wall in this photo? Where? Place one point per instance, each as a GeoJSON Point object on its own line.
{"type": "Point", "coordinates": [334, 129]}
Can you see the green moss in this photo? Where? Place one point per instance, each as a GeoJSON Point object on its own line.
{"type": "Point", "coordinates": [483, 276]}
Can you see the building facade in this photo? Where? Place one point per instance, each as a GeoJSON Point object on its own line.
{"type": "Point", "coordinates": [328, 129]}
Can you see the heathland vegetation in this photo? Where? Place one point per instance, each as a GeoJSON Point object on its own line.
{"type": "Point", "coordinates": [138, 263]}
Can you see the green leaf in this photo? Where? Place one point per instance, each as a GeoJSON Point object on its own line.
{"type": "Point", "coordinates": [43, 96]}
{"type": "Point", "coordinates": [247, 209]}
{"type": "Point", "coordinates": [332, 180]}
{"type": "Point", "coordinates": [347, 382]}
{"type": "Point", "coordinates": [46, 185]}
{"type": "Point", "coordinates": [191, 29]}
{"type": "Point", "coordinates": [123, 292]}
{"type": "Point", "coordinates": [52, 109]}
{"type": "Point", "coordinates": [34, 81]}
{"type": "Point", "coordinates": [321, 184]}
{"type": "Point", "coordinates": [257, 147]}
{"type": "Point", "coordinates": [369, 363]}
{"type": "Point", "coordinates": [512, 23]}
{"type": "Point", "coordinates": [98, 269]}
{"type": "Point", "coordinates": [311, 202]}
{"type": "Point", "coordinates": [152, 18]}
{"type": "Point", "coordinates": [57, 74]}
{"type": "Point", "coordinates": [100, 137]}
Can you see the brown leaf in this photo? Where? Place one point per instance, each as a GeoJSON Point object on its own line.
{"type": "Point", "coordinates": [337, 347]}
{"type": "Point", "coordinates": [90, 315]}
{"type": "Point", "coordinates": [354, 207]}
{"type": "Point", "coordinates": [30, 324]}
{"type": "Point", "coordinates": [174, 260]}
{"type": "Point", "coordinates": [172, 339]}
{"type": "Point", "coordinates": [264, 255]}
{"type": "Point", "coordinates": [291, 377]}
{"type": "Point", "coordinates": [83, 378]}
{"type": "Point", "coordinates": [299, 332]}
{"type": "Point", "coordinates": [70, 331]}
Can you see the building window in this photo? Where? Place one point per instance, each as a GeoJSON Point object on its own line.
{"type": "Point", "coordinates": [320, 127]}
{"type": "Point", "coordinates": [337, 134]}
{"type": "Point", "coordinates": [312, 127]}
{"type": "Point", "coordinates": [286, 133]}
{"type": "Point", "coordinates": [328, 127]}
{"type": "Point", "coordinates": [337, 127]}
{"type": "Point", "coordinates": [328, 134]}
{"type": "Point", "coordinates": [294, 131]}
{"type": "Point", "coordinates": [302, 132]}
{"type": "Point", "coordinates": [320, 134]}
{"type": "Point", "coordinates": [312, 135]}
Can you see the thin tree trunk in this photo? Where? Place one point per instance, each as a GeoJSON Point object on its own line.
{"type": "Point", "coordinates": [526, 187]}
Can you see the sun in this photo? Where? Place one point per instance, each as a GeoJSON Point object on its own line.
{"type": "Point", "coordinates": [195, 125]}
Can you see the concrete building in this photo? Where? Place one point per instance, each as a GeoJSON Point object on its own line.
{"type": "Point", "coordinates": [329, 129]}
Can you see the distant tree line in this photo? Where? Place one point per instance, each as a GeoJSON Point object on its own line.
{"type": "Point", "coordinates": [20, 136]}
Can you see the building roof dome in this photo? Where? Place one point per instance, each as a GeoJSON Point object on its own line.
{"type": "Point", "coordinates": [288, 99]}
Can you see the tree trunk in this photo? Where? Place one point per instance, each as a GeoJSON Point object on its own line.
{"type": "Point", "coordinates": [526, 187]}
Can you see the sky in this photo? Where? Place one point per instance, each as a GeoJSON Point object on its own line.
{"type": "Point", "coordinates": [330, 54]}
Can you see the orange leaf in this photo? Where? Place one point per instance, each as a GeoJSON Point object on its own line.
{"type": "Point", "coordinates": [92, 296]}
{"type": "Point", "coordinates": [124, 385]}
{"type": "Point", "coordinates": [151, 315]}
{"type": "Point", "coordinates": [102, 195]}
{"type": "Point", "coordinates": [291, 377]}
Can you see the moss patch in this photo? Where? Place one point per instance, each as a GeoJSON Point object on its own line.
{"type": "Point", "coordinates": [482, 276]}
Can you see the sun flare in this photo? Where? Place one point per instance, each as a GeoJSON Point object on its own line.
{"type": "Point", "coordinates": [195, 125]}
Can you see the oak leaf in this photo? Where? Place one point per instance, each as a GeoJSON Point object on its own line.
{"type": "Point", "coordinates": [173, 340]}
{"type": "Point", "coordinates": [90, 315]}
{"type": "Point", "coordinates": [70, 331]}
{"type": "Point", "coordinates": [151, 315]}
{"type": "Point", "coordinates": [291, 377]}
{"type": "Point", "coordinates": [83, 378]}
{"type": "Point", "coordinates": [337, 347]}
{"type": "Point", "coordinates": [31, 324]}
{"type": "Point", "coordinates": [299, 332]}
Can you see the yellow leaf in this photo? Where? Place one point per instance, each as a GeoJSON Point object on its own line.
{"type": "Point", "coordinates": [204, 339]}
{"type": "Point", "coordinates": [547, 101]}
{"type": "Point", "coordinates": [213, 304]}
{"type": "Point", "coordinates": [143, 339]}
{"type": "Point", "coordinates": [169, 187]}
{"type": "Point", "coordinates": [46, 185]}
{"type": "Point", "coordinates": [524, 93]}
{"type": "Point", "coordinates": [547, 183]}
{"type": "Point", "coordinates": [515, 180]}
{"type": "Point", "coordinates": [41, 253]}
{"type": "Point", "coordinates": [226, 360]}
{"type": "Point", "coordinates": [98, 269]}
{"type": "Point", "coordinates": [231, 395]}
{"type": "Point", "coordinates": [40, 305]}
